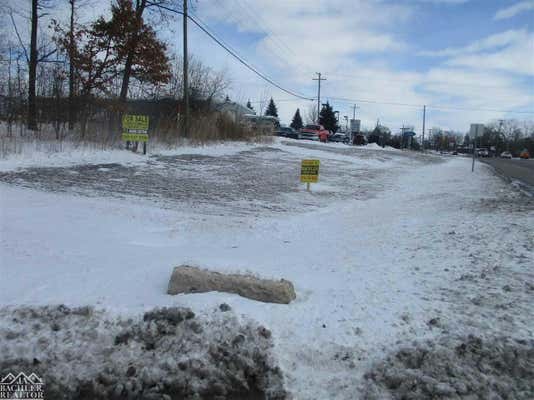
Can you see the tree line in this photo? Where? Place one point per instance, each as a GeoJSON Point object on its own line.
{"type": "Point", "coordinates": [71, 74]}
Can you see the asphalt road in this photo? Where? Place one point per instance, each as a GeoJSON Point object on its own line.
{"type": "Point", "coordinates": [521, 170]}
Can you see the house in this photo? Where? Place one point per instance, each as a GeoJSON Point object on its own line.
{"type": "Point", "coordinates": [233, 110]}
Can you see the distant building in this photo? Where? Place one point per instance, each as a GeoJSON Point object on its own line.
{"type": "Point", "coordinates": [234, 110]}
{"type": "Point", "coordinates": [264, 125]}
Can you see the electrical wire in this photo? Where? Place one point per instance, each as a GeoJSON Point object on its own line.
{"type": "Point", "coordinates": [232, 52]}
{"type": "Point", "coordinates": [429, 106]}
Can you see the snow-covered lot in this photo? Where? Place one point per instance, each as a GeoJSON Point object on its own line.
{"type": "Point", "coordinates": [389, 251]}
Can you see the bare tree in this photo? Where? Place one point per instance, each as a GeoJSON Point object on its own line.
{"type": "Point", "coordinates": [311, 114]}
{"type": "Point", "coordinates": [264, 100]}
{"type": "Point", "coordinates": [204, 83]}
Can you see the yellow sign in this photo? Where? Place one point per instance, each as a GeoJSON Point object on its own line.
{"type": "Point", "coordinates": [309, 171]}
{"type": "Point", "coordinates": [135, 128]}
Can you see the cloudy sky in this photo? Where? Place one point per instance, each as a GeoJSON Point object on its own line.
{"type": "Point", "coordinates": [467, 60]}
{"type": "Point", "coordinates": [462, 58]}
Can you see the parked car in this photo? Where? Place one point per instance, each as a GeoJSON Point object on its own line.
{"type": "Point", "coordinates": [339, 138]}
{"type": "Point", "coordinates": [506, 154]}
{"type": "Point", "coordinates": [483, 153]}
{"type": "Point", "coordinates": [309, 135]}
{"type": "Point", "coordinates": [524, 154]}
{"type": "Point", "coordinates": [287, 132]}
{"type": "Point", "coordinates": [314, 132]}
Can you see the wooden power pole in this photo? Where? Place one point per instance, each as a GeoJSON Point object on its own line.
{"type": "Point", "coordinates": [186, 83]}
{"type": "Point", "coordinates": [32, 72]}
{"type": "Point", "coordinates": [424, 120]}
{"type": "Point", "coordinates": [318, 79]}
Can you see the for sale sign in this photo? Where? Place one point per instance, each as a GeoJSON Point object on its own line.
{"type": "Point", "coordinates": [135, 128]}
{"type": "Point", "coordinates": [309, 171]}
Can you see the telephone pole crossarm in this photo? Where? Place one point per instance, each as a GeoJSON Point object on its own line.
{"type": "Point", "coordinates": [318, 79]}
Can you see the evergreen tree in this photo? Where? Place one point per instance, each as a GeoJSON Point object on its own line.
{"type": "Point", "coordinates": [271, 109]}
{"type": "Point", "coordinates": [249, 106]}
{"type": "Point", "coordinates": [327, 118]}
{"type": "Point", "coordinates": [296, 123]}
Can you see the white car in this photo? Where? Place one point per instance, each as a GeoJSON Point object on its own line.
{"type": "Point", "coordinates": [506, 154]}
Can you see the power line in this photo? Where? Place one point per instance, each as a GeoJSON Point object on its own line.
{"type": "Point", "coordinates": [434, 107]}
{"type": "Point", "coordinates": [427, 83]}
{"type": "Point", "coordinates": [271, 36]}
{"type": "Point", "coordinates": [345, 100]}
{"type": "Point", "coordinates": [242, 61]}
{"type": "Point", "coordinates": [231, 52]}
{"type": "Point", "coordinates": [442, 108]}
{"type": "Point", "coordinates": [275, 100]}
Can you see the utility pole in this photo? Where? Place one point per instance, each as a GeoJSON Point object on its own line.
{"type": "Point", "coordinates": [424, 120]}
{"type": "Point", "coordinates": [501, 121]}
{"type": "Point", "coordinates": [318, 79]}
{"type": "Point", "coordinates": [354, 107]}
{"type": "Point", "coordinates": [186, 84]}
{"type": "Point", "coordinates": [32, 70]}
{"type": "Point", "coordinates": [474, 152]}
{"type": "Point", "coordinates": [71, 66]}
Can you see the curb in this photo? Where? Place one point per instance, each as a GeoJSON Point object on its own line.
{"type": "Point", "coordinates": [524, 187]}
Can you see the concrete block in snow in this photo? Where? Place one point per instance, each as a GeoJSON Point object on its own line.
{"type": "Point", "coordinates": [186, 279]}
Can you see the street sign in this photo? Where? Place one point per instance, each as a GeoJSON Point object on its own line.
{"type": "Point", "coordinates": [135, 128]}
{"type": "Point", "coordinates": [309, 171]}
{"type": "Point", "coordinates": [355, 125]}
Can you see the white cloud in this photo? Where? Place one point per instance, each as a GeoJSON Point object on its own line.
{"type": "Point", "coordinates": [321, 33]}
{"type": "Point", "coordinates": [517, 57]}
{"type": "Point", "coordinates": [444, 1]}
{"type": "Point", "coordinates": [491, 42]}
{"type": "Point", "coordinates": [511, 51]}
{"type": "Point", "coordinates": [512, 11]}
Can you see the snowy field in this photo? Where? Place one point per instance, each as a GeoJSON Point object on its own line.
{"type": "Point", "coordinates": [390, 251]}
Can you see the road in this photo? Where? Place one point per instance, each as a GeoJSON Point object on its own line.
{"type": "Point", "coordinates": [522, 170]}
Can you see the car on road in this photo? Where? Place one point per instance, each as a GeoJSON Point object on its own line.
{"type": "Point", "coordinates": [483, 153]}
{"type": "Point", "coordinates": [314, 132]}
{"type": "Point", "coordinates": [506, 154]}
{"type": "Point", "coordinates": [524, 154]}
{"type": "Point", "coordinates": [287, 132]}
{"type": "Point", "coordinates": [339, 138]}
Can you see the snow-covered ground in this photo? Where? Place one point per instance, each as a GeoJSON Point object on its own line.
{"type": "Point", "coordinates": [389, 248]}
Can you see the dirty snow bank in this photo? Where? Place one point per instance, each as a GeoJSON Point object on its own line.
{"type": "Point", "coordinates": [460, 368]}
{"type": "Point", "coordinates": [169, 353]}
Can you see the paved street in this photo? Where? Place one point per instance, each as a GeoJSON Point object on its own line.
{"type": "Point", "coordinates": [522, 170]}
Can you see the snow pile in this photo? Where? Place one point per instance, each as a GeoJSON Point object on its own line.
{"type": "Point", "coordinates": [64, 154]}
{"type": "Point", "coordinates": [376, 146]}
{"type": "Point", "coordinates": [470, 368]}
{"type": "Point", "coordinates": [67, 157]}
{"type": "Point", "coordinates": [169, 353]}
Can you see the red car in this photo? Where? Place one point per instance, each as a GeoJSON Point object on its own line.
{"type": "Point", "coordinates": [314, 132]}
